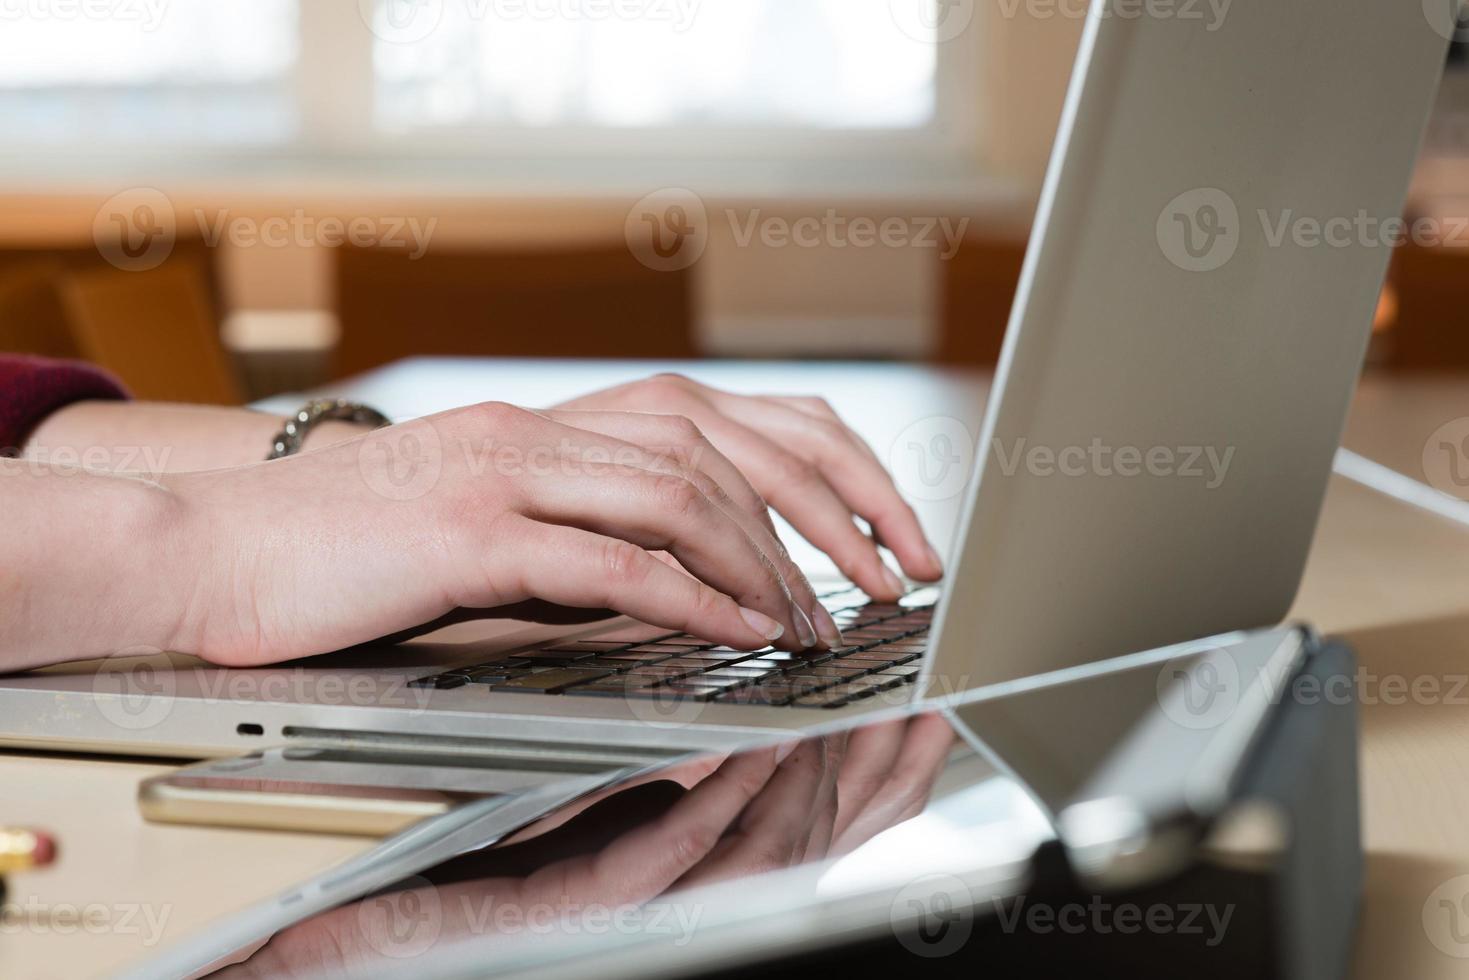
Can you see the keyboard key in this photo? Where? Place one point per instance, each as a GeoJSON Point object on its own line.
{"type": "Point", "coordinates": [714, 657]}
{"type": "Point", "coordinates": [713, 683]}
{"type": "Point", "coordinates": [612, 687]}
{"type": "Point", "coordinates": [877, 655]}
{"type": "Point", "coordinates": [550, 681]}
{"type": "Point", "coordinates": [635, 633]}
{"type": "Point", "coordinates": [909, 674]}
{"type": "Point", "coordinates": [684, 641]}
{"type": "Point", "coordinates": [582, 646]}
{"type": "Point", "coordinates": [756, 695]}
{"type": "Point", "coordinates": [826, 671]}
{"type": "Point", "coordinates": [441, 682]}
{"type": "Point", "coordinates": [747, 673]}
{"type": "Point", "coordinates": [663, 673]}
{"type": "Point", "coordinates": [673, 650]}
{"type": "Point", "coordinates": [646, 657]}
{"type": "Point", "coordinates": [685, 692]}
{"type": "Point", "coordinates": [548, 658]}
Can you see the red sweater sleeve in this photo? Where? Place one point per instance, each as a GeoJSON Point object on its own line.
{"type": "Point", "coordinates": [31, 388]}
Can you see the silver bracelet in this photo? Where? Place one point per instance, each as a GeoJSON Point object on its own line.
{"type": "Point", "coordinates": [287, 442]}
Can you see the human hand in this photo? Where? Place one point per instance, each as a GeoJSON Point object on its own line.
{"type": "Point", "coordinates": [813, 469]}
{"type": "Point", "coordinates": [316, 552]}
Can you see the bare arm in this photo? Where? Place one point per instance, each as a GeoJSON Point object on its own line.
{"type": "Point", "coordinates": [153, 438]}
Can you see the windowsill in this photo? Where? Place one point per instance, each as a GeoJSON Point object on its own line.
{"type": "Point", "coordinates": [953, 182]}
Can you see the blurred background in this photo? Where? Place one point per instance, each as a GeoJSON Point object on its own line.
{"type": "Point", "coordinates": [223, 199]}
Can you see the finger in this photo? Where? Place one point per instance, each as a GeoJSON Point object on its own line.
{"type": "Point", "coordinates": [925, 752]}
{"type": "Point", "coordinates": [674, 442]}
{"type": "Point", "coordinates": [794, 487]}
{"type": "Point", "coordinates": [590, 571]}
{"type": "Point", "coordinates": [665, 512]}
{"type": "Point", "coordinates": [824, 824]}
{"type": "Point", "coordinates": [773, 831]}
{"type": "Point", "coordinates": [821, 409]}
{"type": "Point", "coordinates": [858, 477]}
{"type": "Point", "coordinates": [798, 490]}
{"type": "Point", "coordinates": [872, 750]}
{"type": "Point", "coordinates": [648, 861]}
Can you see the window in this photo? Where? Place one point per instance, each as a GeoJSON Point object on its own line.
{"type": "Point", "coordinates": [826, 64]}
{"type": "Point", "coordinates": [136, 71]}
{"type": "Point", "coordinates": [182, 83]}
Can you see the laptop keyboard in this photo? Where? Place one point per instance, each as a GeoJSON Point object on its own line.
{"type": "Point", "coordinates": [885, 646]}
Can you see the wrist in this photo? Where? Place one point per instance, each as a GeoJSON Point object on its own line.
{"type": "Point", "coordinates": [78, 589]}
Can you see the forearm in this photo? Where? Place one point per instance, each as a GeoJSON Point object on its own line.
{"type": "Point", "coordinates": [87, 563]}
{"type": "Point", "coordinates": [150, 438]}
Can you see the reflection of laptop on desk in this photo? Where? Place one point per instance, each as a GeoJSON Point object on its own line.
{"type": "Point", "coordinates": [1156, 452]}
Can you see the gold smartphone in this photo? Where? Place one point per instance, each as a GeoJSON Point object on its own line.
{"type": "Point", "coordinates": [339, 791]}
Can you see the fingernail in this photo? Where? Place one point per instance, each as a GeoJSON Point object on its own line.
{"type": "Point", "coordinates": [891, 580]}
{"type": "Point", "coordinates": [935, 560]}
{"type": "Point", "coordinates": [805, 632]}
{"type": "Point", "coordinates": [830, 633]}
{"type": "Point", "coordinates": [762, 624]}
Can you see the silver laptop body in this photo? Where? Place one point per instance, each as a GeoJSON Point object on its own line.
{"type": "Point", "coordinates": [1175, 303]}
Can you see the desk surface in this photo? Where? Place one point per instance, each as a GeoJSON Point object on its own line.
{"type": "Point", "coordinates": [1393, 580]}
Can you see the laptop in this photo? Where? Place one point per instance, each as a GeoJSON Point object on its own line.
{"type": "Point", "coordinates": [1190, 323]}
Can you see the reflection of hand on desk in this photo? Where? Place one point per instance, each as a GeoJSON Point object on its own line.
{"type": "Point", "coordinates": [1391, 579]}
